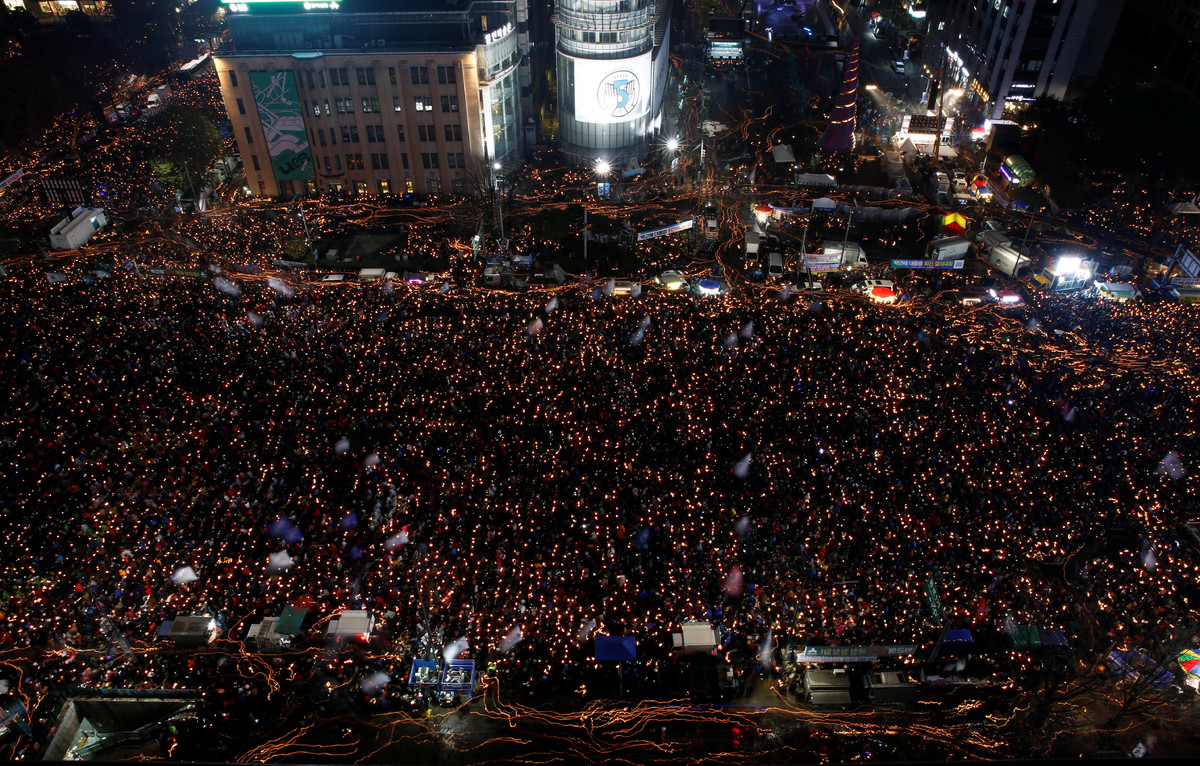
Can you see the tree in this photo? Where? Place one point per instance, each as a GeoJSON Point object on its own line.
{"type": "Point", "coordinates": [181, 142]}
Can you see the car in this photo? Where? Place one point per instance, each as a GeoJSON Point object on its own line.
{"type": "Point", "coordinates": [974, 296]}
{"type": "Point", "coordinates": [670, 280]}
{"type": "Point", "coordinates": [811, 285]}
{"type": "Point", "coordinates": [878, 290]}
{"type": "Point", "coordinates": [625, 287]}
{"type": "Point", "coordinates": [775, 266]}
{"type": "Point", "coordinates": [899, 68]}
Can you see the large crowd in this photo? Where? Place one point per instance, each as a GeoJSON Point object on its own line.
{"type": "Point", "coordinates": [473, 461]}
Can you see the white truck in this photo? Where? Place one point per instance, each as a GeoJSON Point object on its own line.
{"type": "Point", "coordinates": [948, 248]}
{"type": "Point", "coordinates": [158, 96]}
{"type": "Point", "coordinates": [752, 240]}
{"type": "Point", "coordinates": [1006, 260]}
{"type": "Point", "coordinates": [994, 239]}
{"type": "Point", "coordinates": [852, 254]}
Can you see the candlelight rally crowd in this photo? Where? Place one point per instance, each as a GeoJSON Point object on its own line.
{"type": "Point", "coordinates": [562, 463]}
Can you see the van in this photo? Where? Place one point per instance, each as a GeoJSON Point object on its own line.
{"type": "Point", "coordinates": [775, 266]}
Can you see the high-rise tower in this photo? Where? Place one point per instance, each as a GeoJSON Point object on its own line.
{"type": "Point", "coordinates": [612, 70]}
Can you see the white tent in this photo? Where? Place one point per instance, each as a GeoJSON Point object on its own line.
{"type": "Point", "coordinates": [824, 204]}
{"type": "Point", "coordinates": [815, 179]}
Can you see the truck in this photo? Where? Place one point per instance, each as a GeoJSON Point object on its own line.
{"type": "Point", "coordinates": [948, 248]}
{"type": "Point", "coordinates": [77, 228]}
{"type": "Point", "coordinates": [827, 687]}
{"type": "Point", "coordinates": [158, 96]}
{"type": "Point", "coordinates": [994, 239]}
{"type": "Point", "coordinates": [1006, 260]}
{"type": "Point", "coordinates": [752, 240]}
{"type": "Point", "coordinates": [852, 254]}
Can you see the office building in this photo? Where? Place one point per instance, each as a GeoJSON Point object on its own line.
{"type": "Point", "coordinates": [612, 65]}
{"type": "Point", "coordinates": [1004, 53]}
{"type": "Point", "coordinates": [373, 97]}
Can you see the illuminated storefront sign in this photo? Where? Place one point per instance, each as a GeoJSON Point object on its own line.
{"type": "Point", "coordinates": [242, 6]}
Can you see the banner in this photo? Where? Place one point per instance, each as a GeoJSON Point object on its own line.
{"type": "Point", "coordinates": [821, 263]}
{"type": "Point", "coordinates": [917, 264]}
{"type": "Point", "coordinates": [279, 110]}
{"type": "Point", "coordinates": [672, 229]}
{"type": "Point", "coordinates": [852, 653]}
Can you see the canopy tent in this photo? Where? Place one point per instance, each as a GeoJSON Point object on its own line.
{"type": "Point", "coordinates": [783, 153]}
{"type": "Point", "coordinates": [824, 204]}
{"type": "Point", "coordinates": [954, 224]}
{"type": "Point", "coordinates": [1189, 660]}
{"type": "Point", "coordinates": [882, 293]}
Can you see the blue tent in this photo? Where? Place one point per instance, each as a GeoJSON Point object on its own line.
{"type": "Point", "coordinates": [959, 636]}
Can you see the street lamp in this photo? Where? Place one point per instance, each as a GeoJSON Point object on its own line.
{"type": "Point", "coordinates": [495, 173]}
{"type": "Point", "coordinates": [602, 167]}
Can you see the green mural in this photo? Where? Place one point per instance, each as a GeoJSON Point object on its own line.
{"type": "Point", "coordinates": [279, 108]}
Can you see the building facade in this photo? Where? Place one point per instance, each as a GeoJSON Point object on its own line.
{"type": "Point", "coordinates": [363, 99]}
{"type": "Point", "coordinates": [612, 65]}
{"type": "Point", "coordinates": [1004, 53]}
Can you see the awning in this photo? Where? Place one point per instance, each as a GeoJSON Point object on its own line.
{"type": "Point", "coordinates": [290, 620]}
{"type": "Point", "coordinates": [955, 223]}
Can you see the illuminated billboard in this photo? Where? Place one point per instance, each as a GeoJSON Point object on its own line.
{"type": "Point", "coordinates": [279, 110]}
{"type": "Point", "coordinates": [610, 91]}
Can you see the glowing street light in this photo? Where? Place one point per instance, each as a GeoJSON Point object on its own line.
{"type": "Point", "coordinates": [602, 167]}
{"type": "Point", "coordinates": [672, 144]}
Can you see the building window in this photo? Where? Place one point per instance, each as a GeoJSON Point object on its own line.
{"type": "Point", "coordinates": [446, 75]}
{"type": "Point", "coordinates": [392, 75]}
{"type": "Point", "coordinates": [344, 105]}
{"type": "Point", "coordinates": [433, 185]}
{"type": "Point", "coordinates": [340, 76]}
{"type": "Point", "coordinates": [365, 76]}
{"type": "Point", "coordinates": [232, 79]}
{"type": "Point", "coordinates": [423, 133]}
{"type": "Point", "coordinates": [310, 187]}
{"type": "Point", "coordinates": [326, 107]}
{"type": "Point", "coordinates": [328, 165]}
{"type": "Point", "coordinates": [385, 187]}
{"type": "Point", "coordinates": [337, 162]}
{"type": "Point", "coordinates": [408, 186]}
{"type": "Point", "coordinates": [254, 161]}
{"type": "Point", "coordinates": [453, 132]}
{"type": "Point", "coordinates": [321, 135]}
{"type": "Point", "coordinates": [370, 104]}
{"type": "Point", "coordinates": [423, 103]}
{"type": "Point", "coordinates": [332, 137]}
{"type": "Point", "coordinates": [310, 79]}
{"type": "Point", "coordinates": [285, 188]}
{"type": "Point", "coordinates": [375, 134]}
{"type": "Point", "coordinates": [316, 108]}
{"type": "Point", "coordinates": [321, 77]}
{"type": "Point", "coordinates": [419, 75]}
{"type": "Point", "coordinates": [349, 134]}
{"type": "Point", "coordinates": [454, 160]}
{"type": "Point", "coordinates": [457, 186]}
{"type": "Point", "coordinates": [404, 160]}
{"type": "Point", "coordinates": [429, 160]}
{"type": "Point", "coordinates": [241, 106]}
{"type": "Point", "coordinates": [396, 104]}
{"type": "Point", "coordinates": [249, 136]}
{"type": "Point", "coordinates": [379, 162]}
{"type": "Point", "coordinates": [449, 103]}
{"type": "Point", "coordinates": [400, 132]}
{"type": "Point", "coordinates": [360, 187]}
{"type": "Point", "coordinates": [262, 187]}
{"type": "Point", "coordinates": [354, 162]}
{"type": "Point", "coordinates": [335, 187]}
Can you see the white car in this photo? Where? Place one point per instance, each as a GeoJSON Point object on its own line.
{"type": "Point", "coordinates": [775, 266]}
{"type": "Point", "coordinates": [878, 290]}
